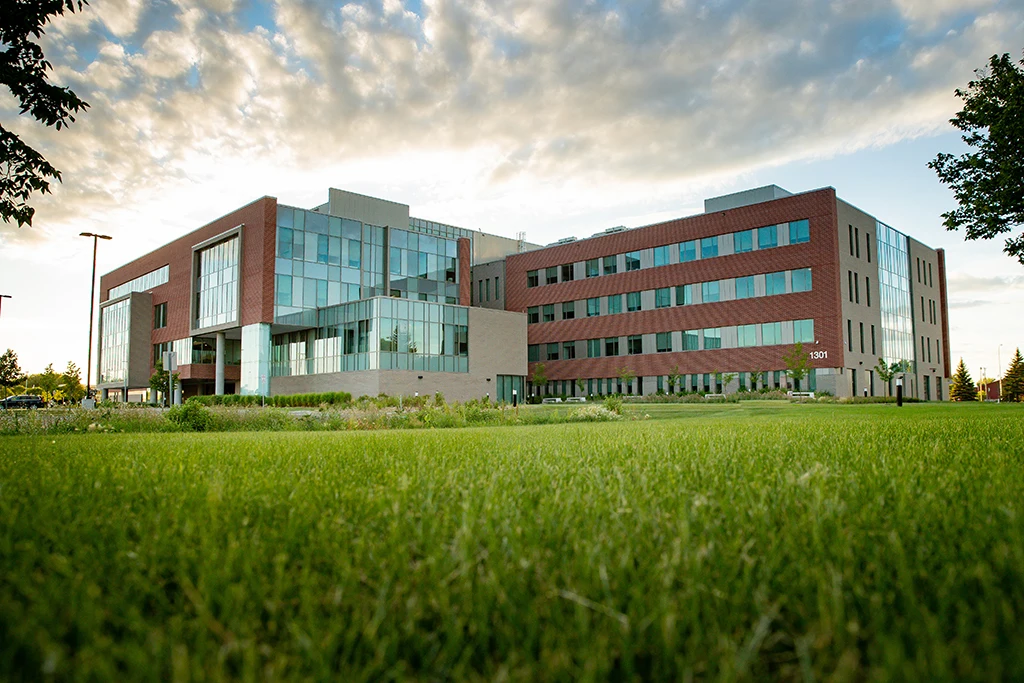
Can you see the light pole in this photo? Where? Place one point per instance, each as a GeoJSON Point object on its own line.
{"type": "Point", "coordinates": [4, 296]}
{"type": "Point", "coordinates": [92, 303]}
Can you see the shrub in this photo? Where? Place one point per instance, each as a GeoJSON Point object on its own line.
{"type": "Point", "coordinates": [193, 416]}
{"type": "Point", "coordinates": [613, 404]}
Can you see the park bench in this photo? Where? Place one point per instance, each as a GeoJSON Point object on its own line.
{"type": "Point", "coordinates": [576, 399]}
{"type": "Point", "coordinates": [714, 395]}
{"type": "Point", "coordinates": [551, 400]}
{"type": "Point", "coordinates": [800, 394]}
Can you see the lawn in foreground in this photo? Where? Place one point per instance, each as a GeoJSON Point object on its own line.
{"type": "Point", "coordinates": [787, 542]}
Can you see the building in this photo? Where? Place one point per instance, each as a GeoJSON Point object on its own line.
{"type": "Point", "coordinates": [353, 295]}
{"type": "Point", "coordinates": [727, 295]}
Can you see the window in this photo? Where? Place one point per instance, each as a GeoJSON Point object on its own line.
{"type": "Point", "coordinates": [919, 270]}
{"type": "Point", "coordinates": [593, 267]}
{"type": "Point", "coordinates": [614, 304]}
{"type": "Point", "coordinates": [691, 341]}
{"type": "Point", "coordinates": [568, 310]}
{"type": "Point", "coordinates": [712, 338]}
{"type": "Point", "coordinates": [775, 283]}
{"type": "Point", "coordinates": [803, 331]}
{"type": "Point", "coordinates": [802, 280]}
{"type": "Point", "coordinates": [664, 342]}
{"type": "Point", "coordinates": [531, 278]}
{"type": "Point", "coordinates": [867, 290]}
{"type": "Point", "coordinates": [593, 307]}
{"type": "Point", "coordinates": [849, 284]}
{"type": "Point", "coordinates": [551, 275]}
{"type": "Point", "coordinates": [684, 295]}
{"type": "Point", "coordinates": [532, 315]}
{"type": "Point", "coordinates": [688, 251]}
{"type": "Point", "coordinates": [768, 237]}
{"type": "Point", "coordinates": [284, 290]}
{"type": "Point", "coordinates": [851, 239]}
{"type": "Point", "coordinates": [743, 241]}
{"type": "Point", "coordinates": [593, 348]}
{"type": "Point", "coordinates": [634, 344]}
{"type": "Point", "coordinates": [611, 346]}
{"type": "Point", "coordinates": [922, 310]}
{"type": "Point", "coordinates": [745, 287]}
{"type": "Point", "coordinates": [479, 291]}
{"type": "Point", "coordinates": [861, 336]}
{"type": "Point", "coordinates": [610, 268]}
{"type": "Point", "coordinates": [497, 290]}
{"type": "Point", "coordinates": [771, 334]}
{"type": "Point", "coordinates": [709, 247]}
{"type": "Point", "coordinates": [354, 250]}
{"type": "Point", "coordinates": [931, 282]}
{"type": "Point", "coordinates": [548, 313]}
{"type": "Point", "coordinates": [569, 350]}
{"type": "Point", "coordinates": [533, 353]}
{"type": "Point", "coordinates": [856, 287]}
{"type": "Point", "coordinates": [632, 260]}
{"type": "Point", "coordinates": [633, 301]}
{"type": "Point", "coordinates": [709, 292]}
{"type": "Point", "coordinates": [849, 335]}
{"type": "Point", "coordinates": [663, 297]}
{"type": "Point", "coordinates": [567, 275]}
{"type": "Point", "coordinates": [660, 256]}
{"type": "Point", "coordinates": [322, 248]}
{"type": "Point", "coordinates": [160, 316]}
{"type": "Point", "coordinates": [552, 351]}
{"type": "Point", "coordinates": [799, 232]}
{"type": "Point", "coordinates": [856, 240]}
{"type": "Point", "coordinates": [284, 243]}
{"type": "Point", "coordinates": [867, 245]}
{"type": "Point", "coordinates": [929, 350]}
{"type": "Point", "coordinates": [487, 287]}
{"type": "Point", "coordinates": [746, 335]}
{"type": "Point", "coordinates": [873, 352]}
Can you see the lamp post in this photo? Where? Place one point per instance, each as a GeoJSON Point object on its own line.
{"type": "Point", "coordinates": [4, 296]}
{"type": "Point", "coordinates": [92, 303]}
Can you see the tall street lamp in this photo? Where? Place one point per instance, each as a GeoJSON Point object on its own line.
{"type": "Point", "coordinates": [92, 303]}
{"type": "Point", "coordinates": [4, 296]}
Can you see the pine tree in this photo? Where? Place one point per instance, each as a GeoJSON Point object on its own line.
{"type": "Point", "coordinates": [962, 387]}
{"type": "Point", "coordinates": [1013, 380]}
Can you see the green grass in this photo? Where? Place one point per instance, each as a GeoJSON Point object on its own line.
{"type": "Point", "coordinates": [722, 542]}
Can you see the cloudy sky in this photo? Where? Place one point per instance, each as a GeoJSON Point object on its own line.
{"type": "Point", "coordinates": [551, 117]}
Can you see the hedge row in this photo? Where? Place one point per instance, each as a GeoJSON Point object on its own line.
{"type": "Point", "coordinates": [331, 398]}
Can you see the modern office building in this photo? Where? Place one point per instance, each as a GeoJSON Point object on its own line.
{"type": "Point", "coordinates": [353, 295]}
{"type": "Point", "coordinates": [727, 295]}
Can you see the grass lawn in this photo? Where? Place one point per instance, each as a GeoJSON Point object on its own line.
{"type": "Point", "coordinates": [723, 542]}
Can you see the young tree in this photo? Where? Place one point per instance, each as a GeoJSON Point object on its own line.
{"type": "Point", "coordinates": [797, 364]}
{"type": "Point", "coordinates": [158, 381]}
{"type": "Point", "coordinates": [10, 371]}
{"type": "Point", "coordinates": [674, 378]}
{"type": "Point", "coordinates": [540, 377]}
{"type": "Point", "coordinates": [885, 373]}
{"type": "Point", "coordinates": [989, 183]}
{"type": "Point", "coordinates": [626, 376]}
{"type": "Point", "coordinates": [23, 69]}
{"type": "Point", "coordinates": [1013, 380]}
{"type": "Point", "coordinates": [71, 381]}
{"type": "Point", "coordinates": [723, 379]}
{"type": "Point", "coordinates": [581, 384]}
{"type": "Point", "coordinates": [755, 375]}
{"type": "Point", "coordinates": [961, 387]}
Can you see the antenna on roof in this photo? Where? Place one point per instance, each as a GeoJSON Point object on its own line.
{"type": "Point", "coordinates": [521, 236]}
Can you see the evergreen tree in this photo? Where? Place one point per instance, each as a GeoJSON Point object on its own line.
{"type": "Point", "coordinates": [962, 386]}
{"type": "Point", "coordinates": [1013, 380]}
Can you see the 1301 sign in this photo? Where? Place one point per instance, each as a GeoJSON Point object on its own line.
{"type": "Point", "coordinates": [818, 355]}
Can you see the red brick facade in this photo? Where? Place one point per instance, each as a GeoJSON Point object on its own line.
{"type": "Point", "coordinates": [822, 303]}
{"type": "Point", "coordinates": [465, 272]}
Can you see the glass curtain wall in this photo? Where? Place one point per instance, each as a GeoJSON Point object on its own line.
{"type": "Point", "coordinates": [217, 284]}
{"type": "Point", "coordinates": [114, 338]}
{"type": "Point", "coordinates": [423, 267]}
{"type": "Point", "coordinates": [895, 296]}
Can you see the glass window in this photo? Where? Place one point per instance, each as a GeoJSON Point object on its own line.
{"type": "Point", "coordinates": [712, 338]}
{"type": "Point", "coordinates": [768, 237]}
{"type": "Point", "coordinates": [533, 353]}
{"type": "Point", "coordinates": [684, 295]}
{"type": "Point", "coordinates": [354, 253]}
{"type": "Point", "coordinates": [663, 297]}
{"type": "Point", "coordinates": [709, 247]}
{"type": "Point", "coordinates": [771, 334]}
{"type": "Point", "coordinates": [634, 344]}
{"type": "Point", "coordinates": [568, 310]}
{"type": "Point", "coordinates": [532, 280]}
{"type": "Point", "coordinates": [160, 316]}
{"type": "Point", "coordinates": [709, 292]}
{"type": "Point", "coordinates": [610, 268]}
{"type": "Point", "coordinates": [552, 351]}
{"type": "Point", "coordinates": [217, 284]}
{"type": "Point", "coordinates": [802, 280]}
{"type": "Point", "coordinates": [284, 243]}
{"type": "Point", "coordinates": [633, 301]}
{"type": "Point", "coordinates": [691, 341]}
{"type": "Point", "coordinates": [688, 251]}
{"type": "Point", "coordinates": [775, 283]}
{"type": "Point", "coordinates": [593, 348]}
{"type": "Point", "coordinates": [743, 241]}
{"type": "Point", "coordinates": [611, 346]}
{"type": "Point", "coordinates": [632, 260]}
{"type": "Point", "coordinates": [745, 287]}
{"type": "Point", "coordinates": [284, 290]}
{"type": "Point", "coordinates": [532, 315]}
{"type": "Point", "coordinates": [746, 335]}
{"type": "Point", "coordinates": [614, 304]}
{"type": "Point", "coordinates": [551, 275]}
{"type": "Point", "coordinates": [548, 313]}
{"type": "Point", "coordinates": [567, 275]}
{"type": "Point", "coordinates": [803, 331]}
{"type": "Point", "coordinates": [800, 231]}
{"type": "Point", "coordinates": [661, 256]}
{"type": "Point", "coordinates": [664, 342]}
{"type": "Point", "coordinates": [593, 307]}
{"type": "Point", "coordinates": [569, 350]}
{"type": "Point", "coordinates": [593, 267]}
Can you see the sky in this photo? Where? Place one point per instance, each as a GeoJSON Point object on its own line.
{"type": "Point", "coordinates": [549, 117]}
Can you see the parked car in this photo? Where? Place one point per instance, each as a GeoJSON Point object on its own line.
{"type": "Point", "coordinates": [23, 401]}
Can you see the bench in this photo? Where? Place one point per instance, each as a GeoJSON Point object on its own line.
{"type": "Point", "coordinates": [551, 400]}
{"type": "Point", "coordinates": [714, 395]}
{"type": "Point", "coordinates": [576, 399]}
{"type": "Point", "coordinates": [800, 394]}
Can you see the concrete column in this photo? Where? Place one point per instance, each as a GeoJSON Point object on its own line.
{"type": "Point", "coordinates": [219, 376]}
